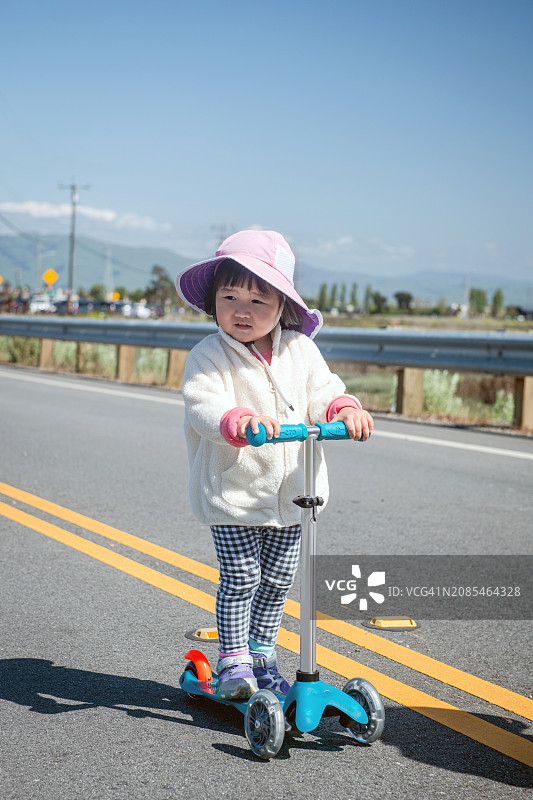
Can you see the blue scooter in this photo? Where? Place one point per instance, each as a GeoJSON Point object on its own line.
{"type": "Point", "coordinates": [269, 716]}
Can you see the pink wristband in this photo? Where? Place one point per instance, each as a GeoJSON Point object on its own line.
{"type": "Point", "coordinates": [228, 425]}
{"type": "Point", "coordinates": [344, 401]}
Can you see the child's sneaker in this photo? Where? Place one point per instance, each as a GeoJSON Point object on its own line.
{"type": "Point", "coordinates": [266, 671]}
{"type": "Point", "coordinates": [236, 681]}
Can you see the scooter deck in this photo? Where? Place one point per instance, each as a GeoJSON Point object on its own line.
{"type": "Point", "coordinates": [190, 684]}
{"type": "Point", "coordinates": [311, 700]}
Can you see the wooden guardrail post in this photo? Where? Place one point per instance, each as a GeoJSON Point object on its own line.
{"type": "Point", "coordinates": [523, 403]}
{"type": "Point", "coordinates": [410, 393]}
{"type": "Point", "coordinates": [46, 355]}
{"type": "Point", "coordinates": [125, 363]}
{"type": "Point", "coordinates": [176, 367]}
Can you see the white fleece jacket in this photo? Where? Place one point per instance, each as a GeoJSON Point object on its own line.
{"type": "Point", "coordinates": [249, 485]}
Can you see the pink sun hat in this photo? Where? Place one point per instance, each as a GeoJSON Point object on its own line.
{"type": "Point", "coordinates": [267, 255]}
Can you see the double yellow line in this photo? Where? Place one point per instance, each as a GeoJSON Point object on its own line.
{"type": "Point", "coordinates": [492, 736]}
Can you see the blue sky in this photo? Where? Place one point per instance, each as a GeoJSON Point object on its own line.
{"type": "Point", "coordinates": [385, 136]}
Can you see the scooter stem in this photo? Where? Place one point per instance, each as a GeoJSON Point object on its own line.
{"type": "Point", "coordinates": [307, 561]}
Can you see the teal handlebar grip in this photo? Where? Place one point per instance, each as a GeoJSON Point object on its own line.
{"type": "Point", "coordinates": [288, 433]}
{"type": "Point", "coordinates": [333, 430]}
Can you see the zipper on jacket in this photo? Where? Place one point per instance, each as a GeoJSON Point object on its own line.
{"type": "Point", "coordinates": [273, 383]}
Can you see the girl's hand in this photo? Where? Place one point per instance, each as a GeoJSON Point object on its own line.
{"type": "Point", "coordinates": [272, 426]}
{"type": "Point", "coordinates": [358, 422]}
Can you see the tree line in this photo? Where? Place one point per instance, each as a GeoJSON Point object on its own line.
{"type": "Point", "coordinates": [160, 291]}
{"type": "Point", "coordinates": [345, 299]}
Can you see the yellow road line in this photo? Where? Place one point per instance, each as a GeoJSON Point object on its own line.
{"type": "Point", "coordinates": [116, 535]}
{"type": "Point", "coordinates": [490, 692]}
{"type": "Point", "coordinates": [445, 673]}
{"type": "Point", "coordinates": [509, 744]}
{"type": "Point", "coordinates": [146, 574]}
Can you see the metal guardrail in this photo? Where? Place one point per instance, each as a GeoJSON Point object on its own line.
{"type": "Point", "coordinates": [464, 351]}
{"type": "Point", "coordinates": [502, 353]}
{"type": "Point", "coordinates": [136, 333]}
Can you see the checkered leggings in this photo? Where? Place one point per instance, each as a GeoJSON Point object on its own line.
{"type": "Point", "coordinates": [257, 569]}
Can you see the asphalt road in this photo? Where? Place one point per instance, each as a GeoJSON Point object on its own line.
{"type": "Point", "coordinates": [92, 644]}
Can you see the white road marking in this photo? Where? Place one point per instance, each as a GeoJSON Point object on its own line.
{"type": "Point", "coordinates": [84, 387]}
{"type": "Point", "coordinates": [477, 448]}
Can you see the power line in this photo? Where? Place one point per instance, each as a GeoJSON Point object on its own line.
{"type": "Point", "coordinates": [79, 243]}
{"type": "Point", "coordinates": [111, 258]}
{"type": "Point", "coordinates": [18, 231]}
{"type": "Point", "coordinates": [34, 239]}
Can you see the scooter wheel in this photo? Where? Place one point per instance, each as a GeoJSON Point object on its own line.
{"type": "Point", "coordinates": [191, 667]}
{"type": "Point", "coordinates": [264, 724]}
{"type": "Point", "coordinates": [368, 697]}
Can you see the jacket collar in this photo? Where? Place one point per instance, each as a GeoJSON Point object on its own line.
{"type": "Point", "coordinates": [246, 353]}
{"type": "Point", "coordinates": [242, 349]}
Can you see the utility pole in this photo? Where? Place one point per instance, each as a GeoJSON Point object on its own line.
{"type": "Point", "coordinates": [221, 231]}
{"type": "Point", "coordinates": [108, 274]}
{"type": "Point", "coordinates": [74, 197]}
{"type": "Point", "coordinates": [39, 262]}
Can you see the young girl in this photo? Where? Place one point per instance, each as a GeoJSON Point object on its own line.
{"type": "Point", "coordinates": [261, 367]}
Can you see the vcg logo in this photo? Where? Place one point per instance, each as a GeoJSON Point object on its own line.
{"type": "Point", "coordinates": [350, 587]}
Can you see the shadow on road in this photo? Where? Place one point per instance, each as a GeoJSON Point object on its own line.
{"type": "Point", "coordinates": [48, 689]}
{"type": "Point", "coordinates": [420, 739]}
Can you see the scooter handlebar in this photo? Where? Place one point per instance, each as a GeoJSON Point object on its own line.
{"type": "Point", "coordinates": [298, 433]}
{"type": "Point", "coordinates": [288, 433]}
{"type": "Point", "coordinates": [332, 430]}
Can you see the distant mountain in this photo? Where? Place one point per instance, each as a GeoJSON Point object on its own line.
{"type": "Point", "coordinates": [427, 286]}
{"type": "Point", "coordinates": [95, 262]}
{"type": "Point", "coordinates": [131, 267]}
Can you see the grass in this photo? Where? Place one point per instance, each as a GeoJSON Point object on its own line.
{"type": "Point", "coordinates": [462, 398]}
{"type": "Point", "coordinates": [151, 364]}
{"type": "Point", "coordinates": [427, 322]}
{"type": "Point", "coordinates": [65, 356]}
{"type": "Point", "coordinates": [375, 387]}
{"type": "Point", "coordinates": [20, 350]}
{"type": "Point", "coordinates": [98, 359]}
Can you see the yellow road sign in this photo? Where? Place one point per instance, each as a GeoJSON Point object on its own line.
{"type": "Point", "coordinates": [50, 276]}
